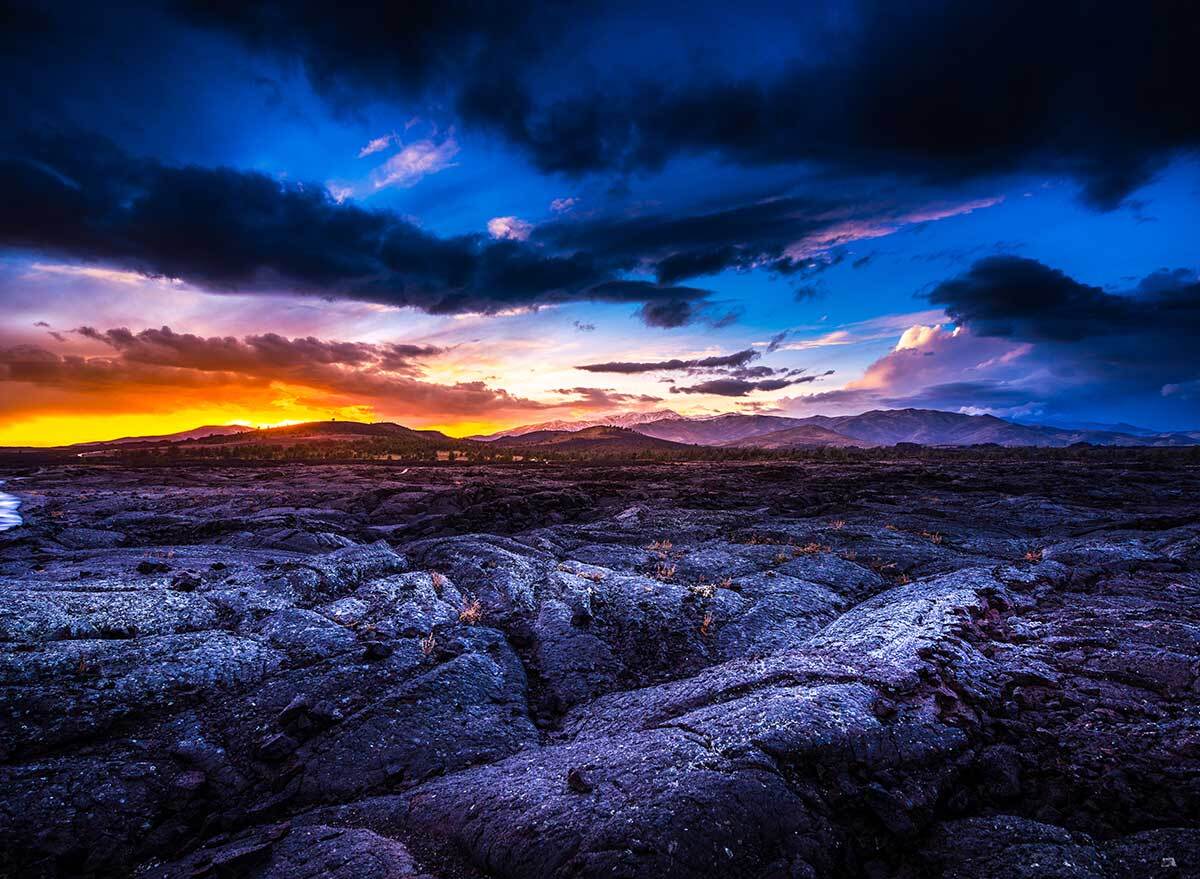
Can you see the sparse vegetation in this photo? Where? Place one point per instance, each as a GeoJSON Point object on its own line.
{"type": "Point", "coordinates": [428, 644]}
{"type": "Point", "coordinates": [661, 547]}
{"type": "Point", "coordinates": [1033, 555]}
{"type": "Point", "coordinates": [837, 524]}
{"type": "Point", "coordinates": [664, 571]}
{"type": "Point", "coordinates": [471, 612]}
{"type": "Point", "coordinates": [706, 625]}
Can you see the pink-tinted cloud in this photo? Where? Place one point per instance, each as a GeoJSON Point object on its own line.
{"type": "Point", "coordinates": [509, 228]}
{"type": "Point", "coordinates": [415, 162]}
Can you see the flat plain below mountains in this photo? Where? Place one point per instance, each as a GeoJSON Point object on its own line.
{"type": "Point", "coordinates": [967, 668]}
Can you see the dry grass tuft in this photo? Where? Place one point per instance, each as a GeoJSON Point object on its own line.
{"type": "Point", "coordinates": [664, 571]}
{"type": "Point", "coordinates": [706, 625]}
{"type": "Point", "coordinates": [812, 548]}
{"type": "Point", "coordinates": [1033, 555]}
{"type": "Point", "coordinates": [471, 612]}
{"type": "Point", "coordinates": [428, 644]}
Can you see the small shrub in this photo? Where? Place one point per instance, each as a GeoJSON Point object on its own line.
{"type": "Point", "coordinates": [706, 625]}
{"type": "Point", "coordinates": [664, 571]}
{"type": "Point", "coordinates": [1033, 555]}
{"type": "Point", "coordinates": [662, 547]}
{"type": "Point", "coordinates": [428, 644]}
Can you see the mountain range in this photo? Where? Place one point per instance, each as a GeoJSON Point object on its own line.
{"type": "Point", "coordinates": [613, 419]}
{"type": "Point", "coordinates": [880, 427]}
{"type": "Point", "coordinates": [665, 430]}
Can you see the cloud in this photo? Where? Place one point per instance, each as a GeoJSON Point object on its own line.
{"type": "Point", "coordinates": [739, 358]}
{"type": "Point", "coordinates": [1021, 298]}
{"type": "Point", "coordinates": [338, 192]}
{"type": "Point", "coordinates": [940, 92]}
{"type": "Point", "coordinates": [562, 205]}
{"type": "Point", "coordinates": [386, 377]}
{"type": "Point", "coordinates": [605, 398]}
{"type": "Point", "coordinates": [787, 235]}
{"type": "Point", "coordinates": [376, 145]}
{"type": "Point", "coordinates": [734, 387]}
{"type": "Point", "coordinates": [584, 327]}
{"type": "Point", "coordinates": [415, 162]}
{"type": "Point", "coordinates": [1029, 337]}
{"type": "Point", "coordinates": [511, 228]}
{"type": "Point", "coordinates": [239, 231]}
{"type": "Point", "coordinates": [776, 340]}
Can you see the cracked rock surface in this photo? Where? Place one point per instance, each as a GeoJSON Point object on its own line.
{"type": "Point", "coordinates": [890, 670]}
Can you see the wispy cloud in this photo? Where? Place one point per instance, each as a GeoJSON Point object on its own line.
{"type": "Point", "coordinates": [377, 145]}
{"type": "Point", "coordinates": [96, 273]}
{"type": "Point", "coordinates": [865, 228]}
{"type": "Point", "coordinates": [415, 162]}
{"type": "Point", "coordinates": [562, 205]}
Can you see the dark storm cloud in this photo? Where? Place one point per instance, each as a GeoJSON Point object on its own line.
{"type": "Point", "coordinates": [937, 91]}
{"type": "Point", "coordinates": [684, 245]}
{"type": "Point", "coordinates": [256, 353]}
{"type": "Point", "coordinates": [229, 230]}
{"type": "Point", "coordinates": [734, 387]}
{"type": "Point", "coordinates": [1025, 300]}
{"type": "Point", "coordinates": [406, 48]}
{"type": "Point", "coordinates": [792, 235]}
{"type": "Point", "coordinates": [737, 359]}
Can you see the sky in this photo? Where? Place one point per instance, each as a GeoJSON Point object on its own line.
{"type": "Point", "coordinates": [469, 216]}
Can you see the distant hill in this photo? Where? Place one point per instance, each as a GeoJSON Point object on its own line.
{"type": "Point", "coordinates": [806, 436]}
{"type": "Point", "coordinates": [193, 434]}
{"type": "Point", "coordinates": [330, 431]}
{"type": "Point", "coordinates": [936, 428]}
{"type": "Point", "coordinates": [718, 431]}
{"type": "Point", "coordinates": [612, 419]}
{"type": "Point", "coordinates": [598, 438]}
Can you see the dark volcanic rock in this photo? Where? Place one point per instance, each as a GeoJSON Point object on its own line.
{"type": "Point", "coordinates": [915, 669]}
